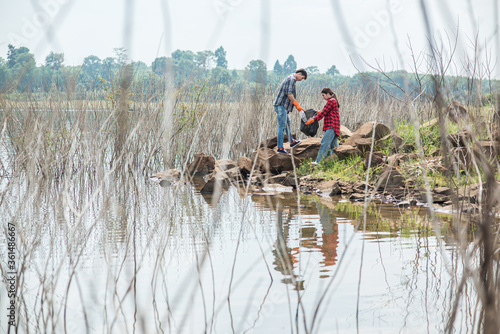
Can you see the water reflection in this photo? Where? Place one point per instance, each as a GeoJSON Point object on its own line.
{"type": "Point", "coordinates": [321, 239]}
{"type": "Point", "coordinates": [177, 248]}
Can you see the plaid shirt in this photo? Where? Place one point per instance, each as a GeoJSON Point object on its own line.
{"type": "Point", "coordinates": [286, 87]}
{"type": "Point", "coordinates": [331, 114]}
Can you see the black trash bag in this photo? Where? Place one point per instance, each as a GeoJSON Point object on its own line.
{"type": "Point", "coordinates": [311, 129]}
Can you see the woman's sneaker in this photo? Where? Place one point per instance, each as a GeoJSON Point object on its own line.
{"type": "Point", "coordinates": [295, 143]}
{"type": "Point", "coordinates": [283, 151]}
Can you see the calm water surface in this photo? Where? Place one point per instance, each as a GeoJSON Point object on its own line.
{"type": "Point", "coordinates": [150, 259]}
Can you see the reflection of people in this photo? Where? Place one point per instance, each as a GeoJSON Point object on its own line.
{"type": "Point", "coordinates": [331, 125]}
{"type": "Point", "coordinates": [282, 253]}
{"type": "Point", "coordinates": [284, 103]}
{"type": "Point", "coordinates": [286, 259]}
{"type": "Point", "coordinates": [330, 236]}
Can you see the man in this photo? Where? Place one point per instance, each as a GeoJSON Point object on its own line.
{"type": "Point", "coordinates": [284, 103]}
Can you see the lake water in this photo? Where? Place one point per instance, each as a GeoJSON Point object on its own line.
{"type": "Point", "coordinates": [137, 257]}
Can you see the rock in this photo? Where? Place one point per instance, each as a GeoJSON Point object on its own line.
{"type": "Point", "coordinates": [257, 180]}
{"type": "Point", "coordinates": [307, 149]}
{"type": "Point", "coordinates": [345, 133]}
{"type": "Point", "coordinates": [436, 198]}
{"type": "Point", "coordinates": [378, 158]}
{"type": "Point", "coordinates": [336, 191]}
{"type": "Point", "coordinates": [489, 148]}
{"type": "Point", "coordinates": [169, 176]}
{"type": "Point", "coordinates": [366, 131]}
{"type": "Point", "coordinates": [261, 156]}
{"type": "Point", "coordinates": [459, 139]}
{"type": "Point", "coordinates": [270, 161]}
{"type": "Point", "coordinates": [201, 165]}
{"type": "Point", "coordinates": [456, 111]}
{"type": "Point", "coordinates": [225, 164]}
{"type": "Point", "coordinates": [273, 142]}
{"type": "Point", "coordinates": [404, 204]}
{"type": "Point", "coordinates": [399, 192]}
{"type": "Point", "coordinates": [357, 197]}
{"type": "Point", "coordinates": [285, 179]}
{"type": "Point", "coordinates": [234, 174]}
{"type": "Point", "coordinates": [347, 151]}
{"type": "Point", "coordinates": [360, 187]}
{"type": "Point", "coordinates": [392, 140]}
{"type": "Point", "coordinates": [440, 199]}
{"type": "Point", "coordinates": [282, 162]}
{"type": "Point", "coordinates": [363, 144]}
{"type": "Point", "coordinates": [397, 159]}
{"type": "Point", "coordinates": [390, 179]}
{"type": "Point", "coordinates": [277, 188]}
{"type": "Point", "coordinates": [471, 209]}
{"type": "Point", "coordinates": [430, 124]}
{"type": "Point", "coordinates": [245, 165]}
{"type": "Point", "coordinates": [216, 183]}
{"type": "Point", "coordinates": [327, 186]}
{"type": "Point", "coordinates": [443, 191]}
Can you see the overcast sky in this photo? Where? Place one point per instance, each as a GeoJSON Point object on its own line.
{"type": "Point", "coordinates": [315, 32]}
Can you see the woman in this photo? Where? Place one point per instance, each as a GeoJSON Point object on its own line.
{"type": "Point", "coordinates": [331, 125]}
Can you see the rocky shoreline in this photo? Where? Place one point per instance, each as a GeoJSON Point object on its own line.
{"type": "Point", "coordinates": [268, 169]}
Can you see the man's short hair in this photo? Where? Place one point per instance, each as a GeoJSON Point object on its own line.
{"type": "Point", "coordinates": [303, 72]}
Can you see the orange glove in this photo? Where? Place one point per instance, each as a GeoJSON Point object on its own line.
{"type": "Point", "coordinates": [297, 105]}
{"type": "Point", "coordinates": [311, 121]}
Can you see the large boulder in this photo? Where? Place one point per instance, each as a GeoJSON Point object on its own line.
{"type": "Point", "coordinates": [173, 174]}
{"type": "Point", "coordinates": [283, 162]}
{"type": "Point", "coordinates": [201, 165]}
{"type": "Point", "coordinates": [345, 133]}
{"type": "Point", "coordinates": [273, 142]}
{"type": "Point", "coordinates": [347, 151]}
{"type": "Point", "coordinates": [234, 174]}
{"type": "Point", "coordinates": [308, 148]}
{"type": "Point", "coordinates": [167, 177]}
{"type": "Point", "coordinates": [377, 158]}
{"type": "Point", "coordinates": [216, 183]}
{"type": "Point", "coordinates": [261, 156]}
{"type": "Point", "coordinates": [245, 164]}
{"type": "Point", "coordinates": [392, 140]}
{"type": "Point", "coordinates": [286, 179]}
{"type": "Point", "coordinates": [225, 164]}
{"type": "Point", "coordinates": [366, 131]}
{"type": "Point", "coordinates": [364, 144]}
{"type": "Point", "coordinates": [269, 160]}
{"type": "Point", "coordinates": [390, 179]}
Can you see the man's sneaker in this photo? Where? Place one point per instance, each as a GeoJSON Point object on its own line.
{"type": "Point", "coordinates": [295, 143]}
{"type": "Point", "coordinates": [283, 151]}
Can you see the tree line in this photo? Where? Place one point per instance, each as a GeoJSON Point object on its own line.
{"type": "Point", "coordinates": [20, 73]}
